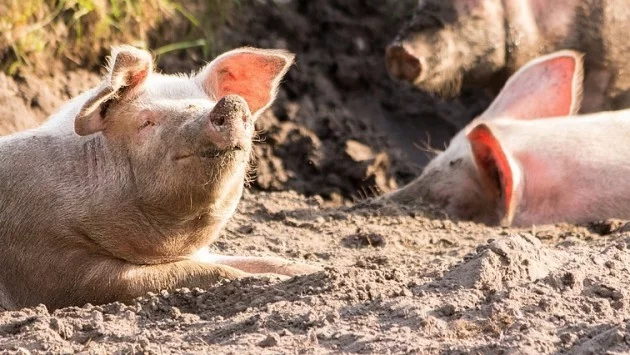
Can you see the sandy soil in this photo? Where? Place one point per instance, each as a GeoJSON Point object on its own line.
{"type": "Point", "coordinates": [396, 281]}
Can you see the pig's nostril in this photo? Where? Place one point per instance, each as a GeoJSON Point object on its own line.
{"type": "Point", "coordinates": [217, 120]}
{"type": "Point", "coordinates": [228, 111]}
{"type": "Point", "coordinates": [391, 60]}
{"type": "Point", "coordinates": [402, 64]}
{"type": "Point", "coordinates": [412, 68]}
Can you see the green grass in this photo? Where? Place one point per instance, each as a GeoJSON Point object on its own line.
{"type": "Point", "coordinates": [80, 32]}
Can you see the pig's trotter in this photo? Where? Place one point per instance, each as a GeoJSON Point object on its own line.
{"type": "Point", "coordinates": [265, 265]}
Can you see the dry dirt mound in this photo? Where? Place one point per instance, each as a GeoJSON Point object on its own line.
{"type": "Point", "coordinates": [417, 289]}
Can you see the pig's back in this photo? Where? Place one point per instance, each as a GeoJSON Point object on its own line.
{"type": "Point", "coordinates": [565, 134]}
{"type": "Point", "coordinates": [574, 169]}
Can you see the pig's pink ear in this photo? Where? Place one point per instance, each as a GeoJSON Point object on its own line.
{"type": "Point", "coordinates": [549, 86]}
{"type": "Point", "coordinates": [254, 74]}
{"type": "Point", "coordinates": [127, 71]}
{"type": "Point", "coordinates": [497, 172]}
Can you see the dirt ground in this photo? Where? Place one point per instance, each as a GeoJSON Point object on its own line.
{"type": "Point", "coordinates": [395, 280]}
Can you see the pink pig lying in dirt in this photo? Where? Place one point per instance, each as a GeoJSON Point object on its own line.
{"type": "Point", "coordinates": [522, 163]}
{"type": "Point", "coordinates": [121, 191]}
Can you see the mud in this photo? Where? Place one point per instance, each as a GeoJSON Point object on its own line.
{"type": "Point", "coordinates": [396, 281]}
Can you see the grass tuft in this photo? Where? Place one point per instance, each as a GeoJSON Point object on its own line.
{"type": "Point", "coordinates": [81, 32]}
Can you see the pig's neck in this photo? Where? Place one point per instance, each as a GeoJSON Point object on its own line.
{"type": "Point", "coordinates": [162, 230]}
{"type": "Point", "coordinates": [536, 27]}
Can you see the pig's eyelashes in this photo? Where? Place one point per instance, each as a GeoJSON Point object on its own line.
{"type": "Point", "coordinates": [455, 163]}
{"type": "Point", "coordinates": [147, 124]}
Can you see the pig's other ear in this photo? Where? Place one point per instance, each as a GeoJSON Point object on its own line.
{"type": "Point", "coordinates": [127, 70]}
{"type": "Point", "coordinates": [497, 172]}
{"type": "Point", "coordinates": [252, 73]}
{"type": "Point", "coordinates": [549, 86]}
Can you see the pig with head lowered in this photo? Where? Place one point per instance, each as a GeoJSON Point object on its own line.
{"type": "Point", "coordinates": [121, 192]}
{"type": "Point", "coordinates": [450, 43]}
{"type": "Point", "coordinates": [528, 159]}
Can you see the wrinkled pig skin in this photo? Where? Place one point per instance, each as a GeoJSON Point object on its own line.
{"type": "Point", "coordinates": [122, 190]}
{"type": "Point", "coordinates": [453, 43]}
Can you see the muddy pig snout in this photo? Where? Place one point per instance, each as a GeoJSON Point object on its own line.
{"type": "Point", "coordinates": [403, 64]}
{"type": "Point", "coordinates": [229, 123]}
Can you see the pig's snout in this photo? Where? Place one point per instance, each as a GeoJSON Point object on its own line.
{"type": "Point", "coordinates": [402, 64]}
{"type": "Point", "coordinates": [229, 123]}
{"type": "Point", "coordinates": [230, 111]}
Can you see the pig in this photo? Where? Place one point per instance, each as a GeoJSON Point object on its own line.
{"type": "Point", "coordinates": [529, 159]}
{"type": "Point", "coordinates": [453, 43]}
{"type": "Point", "coordinates": [122, 190]}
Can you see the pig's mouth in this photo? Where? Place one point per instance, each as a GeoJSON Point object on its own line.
{"type": "Point", "coordinates": [217, 153]}
{"type": "Point", "coordinates": [212, 153]}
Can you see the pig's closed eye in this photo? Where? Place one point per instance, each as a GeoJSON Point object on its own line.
{"type": "Point", "coordinates": [147, 124]}
{"type": "Point", "coordinates": [455, 163]}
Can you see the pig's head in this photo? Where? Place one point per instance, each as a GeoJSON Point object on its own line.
{"type": "Point", "coordinates": [182, 143]}
{"type": "Point", "coordinates": [475, 178]}
{"type": "Point", "coordinates": [446, 41]}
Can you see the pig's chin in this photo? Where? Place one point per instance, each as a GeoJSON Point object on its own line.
{"type": "Point", "coordinates": [444, 85]}
{"type": "Point", "coordinates": [476, 212]}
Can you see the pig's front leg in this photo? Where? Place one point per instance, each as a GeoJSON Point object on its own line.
{"type": "Point", "coordinates": [257, 265]}
{"type": "Point", "coordinates": [266, 265]}
{"type": "Point", "coordinates": [108, 280]}
{"type": "Point", "coordinates": [103, 280]}
{"type": "Point", "coordinates": [138, 280]}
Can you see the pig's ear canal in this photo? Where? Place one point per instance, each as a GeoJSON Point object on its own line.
{"type": "Point", "coordinates": [254, 74]}
{"type": "Point", "coordinates": [549, 86]}
{"type": "Point", "coordinates": [128, 69]}
{"type": "Point", "coordinates": [497, 174]}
